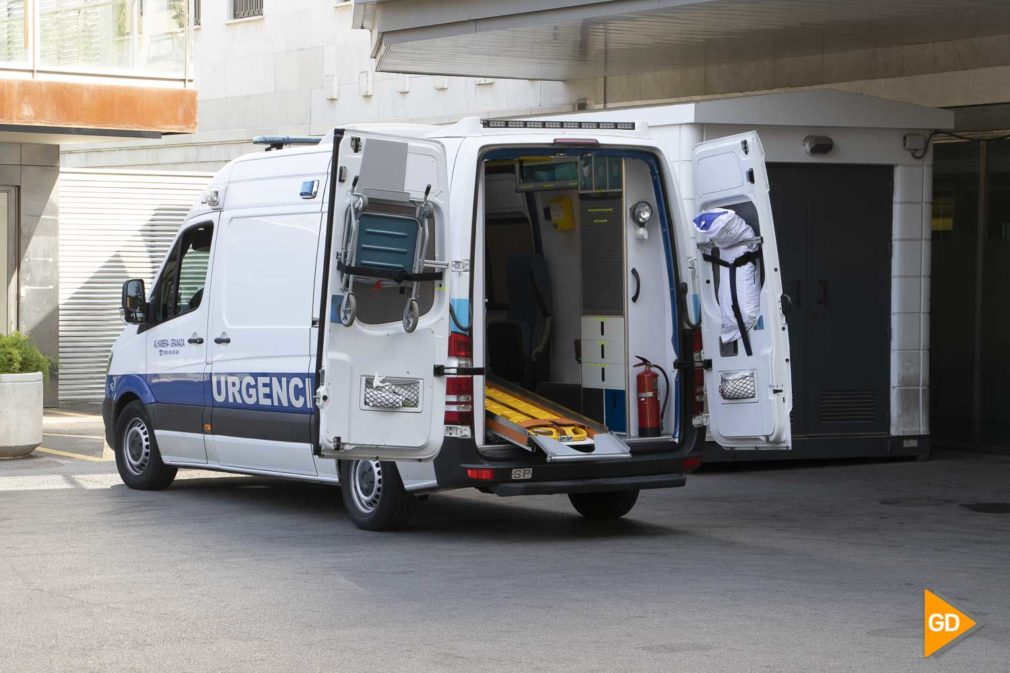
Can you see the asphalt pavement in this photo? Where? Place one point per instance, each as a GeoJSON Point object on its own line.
{"type": "Point", "coordinates": [778, 568]}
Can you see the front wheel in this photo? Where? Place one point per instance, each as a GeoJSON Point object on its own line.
{"type": "Point", "coordinates": [373, 494]}
{"type": "Point", "coordinates": [612, 505]}
{"type": "Point", "coordinates": [137, 456]}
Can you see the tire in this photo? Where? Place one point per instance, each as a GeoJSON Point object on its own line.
{"type": "Point", "coordinates": [373, 495]}
{"type": "Point", "coordinates": [137, 456]}
{"type": "Point", "coordinates": [612, 505]}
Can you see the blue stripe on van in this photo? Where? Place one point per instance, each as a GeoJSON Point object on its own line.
{"type": "Point", "coordinates": [285, 392]}
{"type": "Point", "coordinates": [178, 388]}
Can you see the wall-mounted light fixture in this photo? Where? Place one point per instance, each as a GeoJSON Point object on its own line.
{"type": "Point", "coordinates": [641, 215]}
{"type": "Point", "coordinates": [818, 145]}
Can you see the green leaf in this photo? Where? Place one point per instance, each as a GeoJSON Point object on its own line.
{"type": "Point", "coordinates": [18, 355]}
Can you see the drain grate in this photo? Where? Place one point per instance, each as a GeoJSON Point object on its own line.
{"type": "Point", "coordinates": [988, 507]}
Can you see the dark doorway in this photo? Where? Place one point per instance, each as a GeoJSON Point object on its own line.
{"type": "Point", "coordinates": [969, 360]}
{"type": "Point", "coordinates": [833, 225]}
{"type": "Point", "coordinates": [952, 334]}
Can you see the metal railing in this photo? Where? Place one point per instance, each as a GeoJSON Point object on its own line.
{"type": "Point", "coordinates": [242, 9]}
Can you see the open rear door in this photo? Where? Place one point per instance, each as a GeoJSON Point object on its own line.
{"type": "Point", "coordinates": [386, 312]}
{"type": "Point", "coordinates": [749, 394]}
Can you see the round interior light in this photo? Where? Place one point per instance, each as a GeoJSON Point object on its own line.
{"type": "Point", "coordinates": [641, 212]}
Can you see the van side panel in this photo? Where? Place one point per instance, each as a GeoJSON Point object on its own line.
{"type": "Point", "coordinates": [260, 329]}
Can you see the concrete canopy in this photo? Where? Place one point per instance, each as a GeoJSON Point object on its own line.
{"type": "Point", "coordinates": [37, 110]}
{"type": "Point", "coordinates": [573, 39]}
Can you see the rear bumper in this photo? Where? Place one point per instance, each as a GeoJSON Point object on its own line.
{"type": "Point", "coordinates": [653, 464]}
{"type": "Point", "coordinates": [589, 485]}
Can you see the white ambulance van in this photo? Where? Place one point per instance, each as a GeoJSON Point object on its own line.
{"type": "Point", "coordinates": [512, 306]}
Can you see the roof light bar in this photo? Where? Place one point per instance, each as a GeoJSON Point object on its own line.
{"type": "Point", "coordinates": [280, 142]}
{"type": "Point", "coordinates": [555, 124]}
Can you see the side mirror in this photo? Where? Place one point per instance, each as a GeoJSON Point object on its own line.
{"type": "Point", "coordinates": [134, 301]}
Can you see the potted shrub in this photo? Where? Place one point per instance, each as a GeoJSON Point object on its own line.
{"type": "Point", "coordinates": [23, 369]}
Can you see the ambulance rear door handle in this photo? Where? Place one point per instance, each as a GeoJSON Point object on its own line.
{"type": "Point", "coordinates": [222, 339]}
{"type": "Point", "coordinates": [195, 340]}
{"type": "Point", "coordinates": [442, 370]}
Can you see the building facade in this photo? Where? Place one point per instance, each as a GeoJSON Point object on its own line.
{"type": "Point", "coordinates": [260, 67]}
{"type": "Point", "coordinates": [302, 67]}
{"type": "Point", "coordinates": [74, 69]}
{"type": "Point", "coordinates": [298, 67]}
{"type": "Point", "coordinates": [950, 53]}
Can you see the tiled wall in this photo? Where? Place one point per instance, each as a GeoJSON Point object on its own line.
{"type": "Point", "coordinates": [910, 300]}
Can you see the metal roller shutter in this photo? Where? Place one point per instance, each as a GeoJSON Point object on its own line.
{"type": "Point", "coordinates": [114, 225]}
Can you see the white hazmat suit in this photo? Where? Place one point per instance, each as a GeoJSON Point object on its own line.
{"type": "Point", "coordinates": [734, 238]}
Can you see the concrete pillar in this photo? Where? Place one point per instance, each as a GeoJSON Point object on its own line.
{"type": "Point", "coordinates": [38, 306]}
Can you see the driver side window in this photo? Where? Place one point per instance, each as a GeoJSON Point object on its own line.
{"type": "Point", "coordinates": [181, 285]}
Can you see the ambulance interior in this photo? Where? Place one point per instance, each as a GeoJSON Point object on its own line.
{"type": "Point", "coordinates": [576, 290]}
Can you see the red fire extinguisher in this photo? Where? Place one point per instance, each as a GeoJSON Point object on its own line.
{"type": "Point", "coordinates": [650, 414]}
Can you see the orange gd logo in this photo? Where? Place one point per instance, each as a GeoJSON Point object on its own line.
{"type": "Point", "coordinates": [942, 623]}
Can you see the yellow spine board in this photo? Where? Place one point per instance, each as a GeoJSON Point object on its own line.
{"type": "Point", "coordinates": [534, 419]}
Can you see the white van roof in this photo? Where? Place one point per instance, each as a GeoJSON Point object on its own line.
{"type": "Point", "coordinates": [504, 131]}
{"type": "Point", "coordinates": [471, 127]}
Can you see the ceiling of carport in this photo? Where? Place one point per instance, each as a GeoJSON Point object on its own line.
{"type": "Point", "coordinates": [571, 40]}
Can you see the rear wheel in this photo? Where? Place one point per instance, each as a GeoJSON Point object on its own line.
{"type": "Point", "coordinates": [137, 456]}
{"type": "Point", "coordinates": [373, 494]}
{"type": "Point", "coordinates": [612, 505]}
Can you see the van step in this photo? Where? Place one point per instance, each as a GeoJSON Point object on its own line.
{"type": "Point", "coordinates": [602, 447]}
{"type": "Point", "coordinates": [532, 422]}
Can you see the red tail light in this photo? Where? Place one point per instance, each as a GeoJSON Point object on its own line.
{"type": "Point", "coordinates": [699, 389]}
{"type": "Point", "coordinates": [458, 400]}
{"type": "Point", "coordinates": [691, 463]}
{"type": "Point", "coordinates": [699, 373]}
{"type": "Point", "coordinates": [459, 417]}
{"type": "Point", "coordinates": [460, 345]}
{"type": "Point", "coordinates": [459, 386]}
{"type": "Point", "coordinates": [480, 473]}
{"type": "Point", "coordinates": [459, 389]}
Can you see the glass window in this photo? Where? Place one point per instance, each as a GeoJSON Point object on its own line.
{"type": "Point", "coordinates": [12, 32]}
{"type": "Point", "coordinates": [114, 35]}
{"type": "Point", "coordinates": [192, 277]}
{"type": "Point", "coordinates": [180, 288]}
{"type": "Point", "coordinates": [243, 9]}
